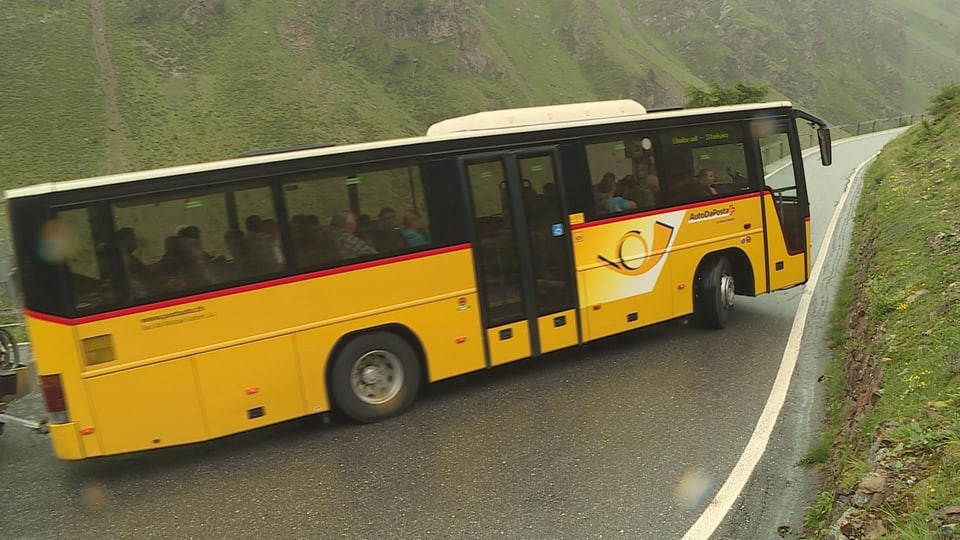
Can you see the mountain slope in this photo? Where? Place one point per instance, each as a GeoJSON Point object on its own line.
{"type": "Point", "coordinates": [100, 87]}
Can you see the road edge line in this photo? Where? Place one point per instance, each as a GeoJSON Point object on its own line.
{"type": "Point", "coordinates": [730, 491]}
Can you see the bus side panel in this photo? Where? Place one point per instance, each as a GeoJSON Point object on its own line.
{"type": "Point", "coordinates": [619, 269]}
{"type": "Point", "coordinates": [557, 331]}
{"type": "Point", "coordinates": [452, 335]}
{"type": "Point", "coordinates": [794, 269]}
{"type": "Point", "coordinates": [509, 342]}
{"type": "Point", "coordinates": [250, 385]}
{"type": "Point", "coordinates": [615, 316]}
{"type": "Point", "coordinates": [147, 407]}
{"type": "Point", "coordinates": [66, 441]}
{"type": "Point", "coordinates": [620, 263]}
{"type": "Point", "coordinates": [55, 353]}
{"type": "Point", "coordinates": [735, 224]}
{"type": "Point", "coordinates": [278, 308]}
{"type": "Point", "coordinates": [448, 329]}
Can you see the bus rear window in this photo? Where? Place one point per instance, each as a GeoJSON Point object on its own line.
{"type": "Point", "coordinates": [74, 240]}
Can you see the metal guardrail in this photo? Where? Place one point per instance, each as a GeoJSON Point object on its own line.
{"type": "Point", "coordinates": [779, 150]}
{"type": "Point", "coordinates": [878, 124]}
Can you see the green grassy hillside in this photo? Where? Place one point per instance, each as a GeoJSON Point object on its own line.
{"type": "Point", "coordinates": [95, 87]}
{"type": "Point", "coordinates": [896, 379]}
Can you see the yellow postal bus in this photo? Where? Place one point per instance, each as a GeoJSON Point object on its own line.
{"type": "Point", "coordinates": [183, 304]}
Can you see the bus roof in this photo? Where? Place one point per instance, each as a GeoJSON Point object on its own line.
{"type": "Point", "coordinates": [477, 125]}
{"type": "Point", "coordinates": [531, 116]}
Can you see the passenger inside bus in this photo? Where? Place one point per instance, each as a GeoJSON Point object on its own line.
{"type": "Point", "coordinates": [312, 242]}
{"type": "Point", "coordinates": [349, 245]}
{"type": "Point", "coordinates": [414, 231]}
{"type": "Point", "coordinates": [385, 233]}
{"type": "Point", "coordinates": [606, 199]}
{"type": "Point", "coordinates": [632, 190]}
{"type": "Point", "coordinates": [138, 278]}
{"type": "Point", "coordinates": [194, 264]}
{"type": "Point", "coordinates": [261, 249]}
{"type": "Point", "coordinates": [705, 182]}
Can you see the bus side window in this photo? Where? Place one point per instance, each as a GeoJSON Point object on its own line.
{"type": "Point", "coordinates": [623, 172]}
{"type": "Point", "coordinates": [704, 162]}
{"type": "Point", "coordinates": [342, 216]}
{"type": "Point", "coordinates": [77, 239]}
{"type": "Point", "coordinates": [171, 244]}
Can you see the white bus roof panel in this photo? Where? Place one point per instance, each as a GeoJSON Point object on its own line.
{"type": "Point", "coordinates": [532, 116]}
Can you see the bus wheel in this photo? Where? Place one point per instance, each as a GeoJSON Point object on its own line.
{"type": "Point", "coordinates": [375, 376]}
{"type": "Point", "coordinates": [714, 292]}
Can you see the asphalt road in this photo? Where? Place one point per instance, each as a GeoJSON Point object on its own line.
{"type": "Point", "coordinates": [628, 438]}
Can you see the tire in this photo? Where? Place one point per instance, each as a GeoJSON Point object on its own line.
{"type": "Point", "coordinates": [714, 293]}
{"type": "Point", "coordinates": [9, 352]}
{"type": "Point", "coordinates": [374, 376]}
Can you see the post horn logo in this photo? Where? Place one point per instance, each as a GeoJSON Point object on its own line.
{"type": "Point", "coordinates": [650, 255]}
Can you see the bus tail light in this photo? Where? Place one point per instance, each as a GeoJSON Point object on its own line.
{"type": "Point", "coordinates": [54, 399]}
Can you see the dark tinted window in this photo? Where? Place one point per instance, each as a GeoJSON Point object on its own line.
{"type": "Point", "coordinates": [76, 240]}
{"type": "Point", "coordinates": [699, 163]}
{"type": "Point", "coordinates": [338, 216]}
{"type": "Point", "coordinates": [623, 172]}
{"type": "Point", "coordinates": [159, 246]}
{"type": "Point", "coordinates": [140, 249]}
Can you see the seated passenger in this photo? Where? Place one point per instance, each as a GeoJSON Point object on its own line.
{"type": "Point", "coordinates": [349, 245]}
{"type": "Point", "coordinates": [414, 231]}
{"type": "Point", "coordinates": [136, 271]}
{"type": "Point", "coordinates": [705, 182]}
{"type": "Point", "coordinates": [385, 232]}
{"type": "Point", "coordinates": [261, 248]}
{"type": "Point", "coordinates": [313, 243]}
{"type": "Point", "coordinates": [639, 193]}
{"type": "Point", "coordinates": [612, 203]}
{"type": "Point", "coordinates": [193, 262]}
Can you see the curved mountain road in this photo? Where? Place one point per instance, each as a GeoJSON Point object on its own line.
{"type": "Point", "coordinates": [632, 437]}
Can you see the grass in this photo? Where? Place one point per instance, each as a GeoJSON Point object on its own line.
{"type": "Point", "coordinates": [897, 309]}
{"type": "Point", "coordinates": [816, 514]}
{"type": "Point", "coordinates": [50, 108]}
{"type": "Point", "coordinates": [259, 74]}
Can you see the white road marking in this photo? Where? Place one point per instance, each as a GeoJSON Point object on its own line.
{"type": "Point", "coordinates": [718, 508]}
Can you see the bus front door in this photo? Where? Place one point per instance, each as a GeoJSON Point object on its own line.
{"type": "Point", "coordinates": [523, 255]}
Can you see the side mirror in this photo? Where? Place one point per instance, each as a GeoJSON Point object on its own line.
{"type": "Point", "coordinates": [826, 148]}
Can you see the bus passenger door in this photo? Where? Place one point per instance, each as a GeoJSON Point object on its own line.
{"type": "Point", "coordinates": [523, 255]}
{"type": "Point", "coordinates": [787, 225]}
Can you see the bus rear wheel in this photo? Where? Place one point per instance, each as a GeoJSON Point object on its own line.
{"type": "Point", "coordinates": [375, 376]}
{"type": "Point", "coordinates": [714, 293]}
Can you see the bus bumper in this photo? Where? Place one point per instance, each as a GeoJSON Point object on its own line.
{"type": "Point", "coordinates": [66, 441]}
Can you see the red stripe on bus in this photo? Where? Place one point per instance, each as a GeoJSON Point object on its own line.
{"type": "Point", "coordinates": [243, 288]}
{"type": "Point", "coordinates": [635, 215]}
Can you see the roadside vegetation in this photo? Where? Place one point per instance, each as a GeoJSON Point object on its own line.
{"type": "Point", "coordinates": [894, 415]}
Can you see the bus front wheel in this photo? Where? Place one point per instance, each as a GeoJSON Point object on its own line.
{"type": "Point", "coordinates": [374, 376]}
{"type": "Point", "coordinates": [714, 293]}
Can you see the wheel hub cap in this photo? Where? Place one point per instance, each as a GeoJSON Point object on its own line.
{"type": "Point", "coordinates": [377, 377]}
{"type": "Point", "coordinates": [727, 290]}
